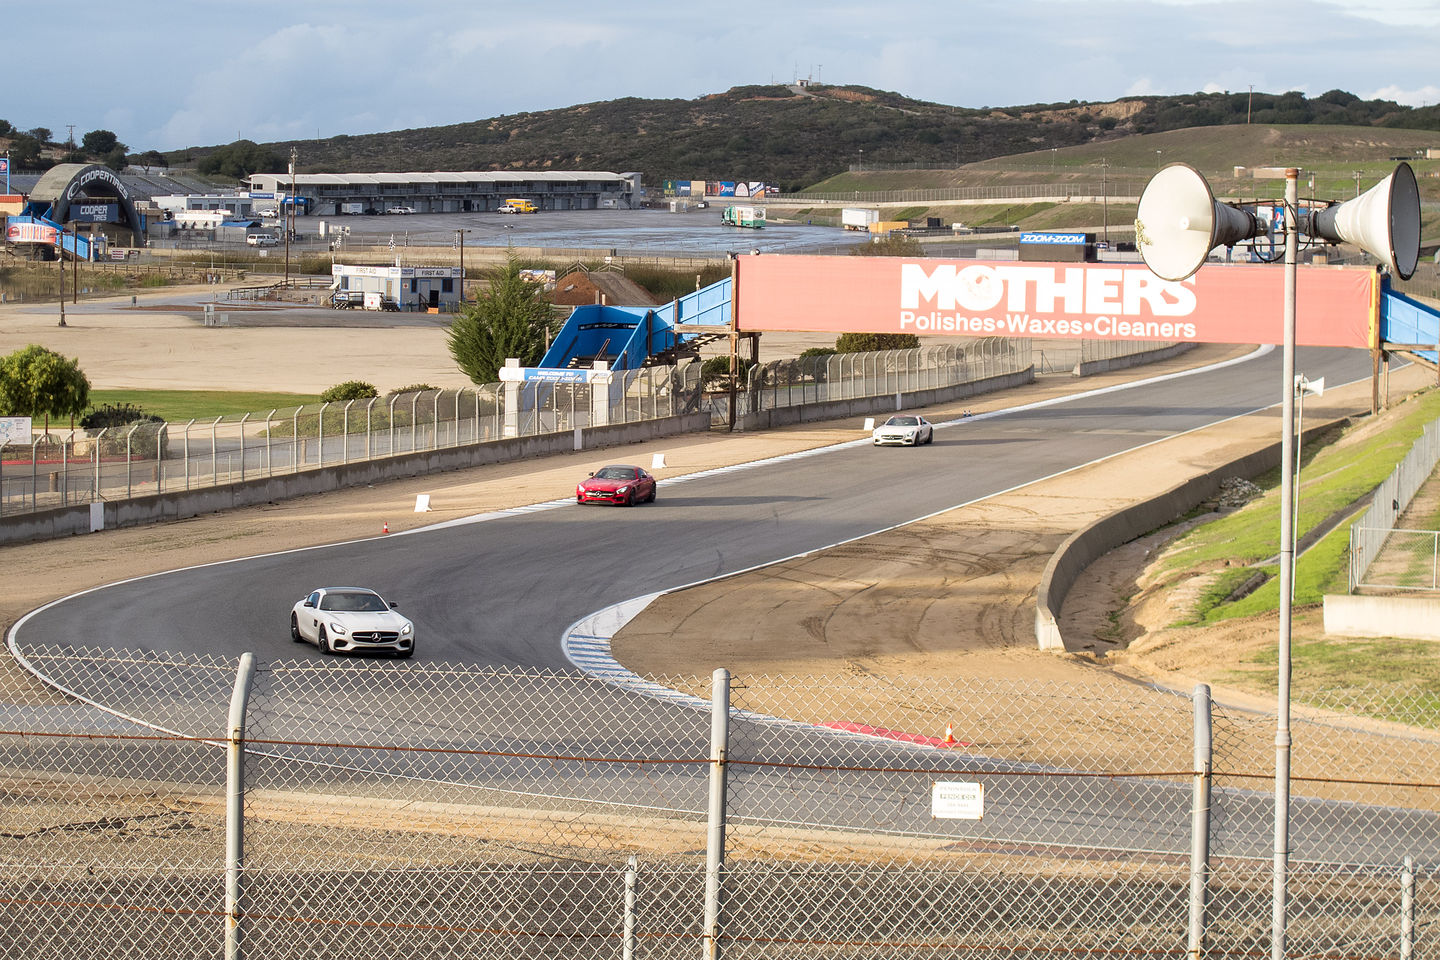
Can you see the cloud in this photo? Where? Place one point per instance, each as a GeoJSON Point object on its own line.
{"type": "Point", "coordinates": [1428, 95]}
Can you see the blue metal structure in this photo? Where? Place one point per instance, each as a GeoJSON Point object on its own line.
{"type": "Point", "coordinates": [625, 337]}
{"type": "Point", "coordinates": [1403, 320]}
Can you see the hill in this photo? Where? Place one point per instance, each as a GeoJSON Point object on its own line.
{"type": "Point", "coordinates": [791, 136]}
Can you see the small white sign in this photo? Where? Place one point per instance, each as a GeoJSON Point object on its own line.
{"type": "Point", "coordinates": [15, 430]}
{"type": "Point", "coordinates": [955, 800]}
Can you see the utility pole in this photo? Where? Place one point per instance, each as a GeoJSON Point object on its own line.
{"type": "Point", "coordinates": [1248, 103]}
{"type": "Point", "coordinates": [60, 251]}
{"type": "Point", "coordinates": [289, 219]}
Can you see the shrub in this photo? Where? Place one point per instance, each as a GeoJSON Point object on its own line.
{"type": "Point", "coordinates": [413, 388]}
{"type": "Point", "coordinates": [869, 342]}
{"type": "Point", "coordinates": [113, 415]}
{"type": "Point", "coordinates": [349, 390]}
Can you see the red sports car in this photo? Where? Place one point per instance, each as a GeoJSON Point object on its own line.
{"type": "Point", "coordinates": [618, 483]}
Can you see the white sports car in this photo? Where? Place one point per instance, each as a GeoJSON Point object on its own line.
{"type": "Point", "coordinates": [906, 430]}
{"type": "Point", "coordinates": [351, 620]}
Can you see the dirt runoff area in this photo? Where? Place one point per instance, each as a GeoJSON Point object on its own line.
{"type": "Point", "coordinates": [952, 596]}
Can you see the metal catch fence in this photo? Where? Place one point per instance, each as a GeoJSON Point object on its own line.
{"type": "Point", "coordinates": [148, 457]}
{"type": "Point", "coordinates": [1371, 535]}
{"type": "Point", "coordinates": [308, 809]}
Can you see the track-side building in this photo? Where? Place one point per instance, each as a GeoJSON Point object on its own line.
{"type": "Point", "coordinates": [335, 194]}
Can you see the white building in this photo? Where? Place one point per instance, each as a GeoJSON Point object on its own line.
{"type": "Point", "coordinates": [332, 194]}
{"type": "Point", "coordinates": [396, 288]}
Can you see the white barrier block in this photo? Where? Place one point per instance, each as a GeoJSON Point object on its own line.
{"type": "Point", "coordinates": [97, 516]}
{"type": "Point", "coordinates": [869, 423]}
{"type": "Point", "coordinates": [657, 462]}
{"type": "Point", "coordinates": [422, 503]}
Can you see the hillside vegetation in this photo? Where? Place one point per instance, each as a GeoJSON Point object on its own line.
{"type": "Point", "coordinates": [793, 136]}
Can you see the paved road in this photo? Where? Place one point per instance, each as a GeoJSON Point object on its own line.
{"type": "Point", "coordinates": [500, 593]}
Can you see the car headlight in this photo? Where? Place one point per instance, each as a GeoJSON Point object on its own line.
{"type": "Point", "coordinates": [623, 490]}
{"type": "Point", "coordinates": [579, 489]}
{"type": "Point", "coordinates": [336, 627]}
{"type": "Point", "coordinates": [405, 630]}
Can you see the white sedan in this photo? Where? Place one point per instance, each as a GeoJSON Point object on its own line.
{"type": "Point", "coordinates": [905, 430]}
{"type": "Point", "coordinates": [351, 620]}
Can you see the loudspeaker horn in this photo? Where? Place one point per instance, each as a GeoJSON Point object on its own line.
{"type": "Point", "coordinates": [1180, 221]}
{"type": "Point", "coordinates": [1384, 221]}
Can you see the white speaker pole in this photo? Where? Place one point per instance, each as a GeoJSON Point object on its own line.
{"type": "Point", "coordinates": [1287, 568]}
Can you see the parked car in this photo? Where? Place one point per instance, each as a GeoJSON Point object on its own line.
{"type": "Point", "coordinates": [351, 620]}
{"type": "Point", "coordinates": [905, 430]}
{"type": "Point", "coordinates": [262, 239]}
{"type": "Point", "coordinates": [618, 483]}
{"type": "Point", "coordinates": [401, 210]}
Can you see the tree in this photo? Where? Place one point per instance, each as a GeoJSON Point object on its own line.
{"type": "Point", "coordinates": [38, 382]}
{"type": "Point", "coordinates": [116, 158]}
{"type": "Point", "coordinates": [510, 319]}
{"type": "Point", "coordinates": [6, 128]}
{"type": "Point", "coordinates": [25, 152]}
{"type": "Point", "coordinates": [98, 142]}
{"type": "Point", "coordinates": [41, 133]}
{"type": "Point", "coordinates": [152, 158]}
{"type": "Point", "coordinates": [890, 245]}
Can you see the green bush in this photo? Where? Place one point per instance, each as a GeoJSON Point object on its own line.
{"type": "Point", "coordinates": [870, 342]}
{"type": "Point", "coordinates": [349, 390]}
{"type": "Point", "coordinates": [413, 388]}
{"type": "Point", "coordinates": [116, 415]}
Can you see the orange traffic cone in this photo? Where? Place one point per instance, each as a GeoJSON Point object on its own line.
{"type": "Point", "coordinates": [385, 527]}
{"type": "Point", "coordinates": [949, 735]}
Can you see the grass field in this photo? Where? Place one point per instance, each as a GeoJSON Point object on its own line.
{"type": "Point", "coordinates": [180, 406]}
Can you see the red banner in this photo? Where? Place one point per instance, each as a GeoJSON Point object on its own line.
{"type": "Point", "coordinates": [1223, 303]}
{"type": "Point", "coordinates": [31, 233]}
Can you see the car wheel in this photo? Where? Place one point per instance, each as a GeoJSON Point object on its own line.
{"type": "Point", "coordinates": [629, 499]}
{"type": "Point", "coordinates": [322, 641]}
{"type": "Point", "coordinates": [930, 438]}
{"type": "Point", "coordinates": [295, 629]}
{"type": "Point", "coordinates": [651, 498]}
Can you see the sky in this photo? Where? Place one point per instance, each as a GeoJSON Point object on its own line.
{"type": "Point", "coordinates": [166, 75]}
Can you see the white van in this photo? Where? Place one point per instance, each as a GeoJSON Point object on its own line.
{"type": "Point", "coordinates": [262, 240]}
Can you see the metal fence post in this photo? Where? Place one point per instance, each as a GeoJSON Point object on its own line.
{"type": "Point", "coordinates": [128, 458]}
{"type": "Point", "coordinates": [235, 803]}
{"type": "Point", "coordinates": [243, 421]}
{"type": "Point", "coordinates": [627, 946]}
{"type": "Point", "coordinates": [715, 838]}
{"type": "Point", "coordinates": [1200, 819]}
{"type": "Point", "coordinates": [1407, 909]}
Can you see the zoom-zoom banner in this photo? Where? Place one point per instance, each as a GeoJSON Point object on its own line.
{"type": "Point", "coordinates": [1223, 303]}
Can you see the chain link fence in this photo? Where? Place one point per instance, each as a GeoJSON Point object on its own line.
{"type": "Point", "coordinates": [439, 810]}
{"type": "Point", "coordinates": [149, 457]}
{"type": "Point", "coordinates": [1381, 556]}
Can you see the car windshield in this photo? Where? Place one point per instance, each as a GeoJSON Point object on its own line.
{"type": "Point", "coordinates": [903, 422]}
{"type": "Point", "coordinates": [353, 603]}
{"type": "Point", "coordinates": [615, 473]}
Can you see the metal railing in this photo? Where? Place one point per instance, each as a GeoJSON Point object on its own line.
{"type": "Point", "coordinates": [1115, 190]}
{"type": "Point", "coordinates": [149, 457]}
{"type": "Point", "coordinates": [1370, 534]}
{"type": "Point", "coordinates": [846, 376]}
{"type": "Point", "coordinates": [299, 809]}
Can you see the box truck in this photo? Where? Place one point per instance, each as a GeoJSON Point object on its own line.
{"type": "Point", "coordinates": [752, 217]}
{"type": "Point", "coordinates": [858, 218]}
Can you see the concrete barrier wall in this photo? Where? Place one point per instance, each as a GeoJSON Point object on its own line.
{"type": "Point", "coordinates": [1091, 367]}
{"type": "Point", "coordinates": [1414, 618]}
{"type": "Point", "coordinates": [869, 406]}
{"type": "Point", "coordinates": [177, 505]}
{"type": "Point", "coordinates": [1086, 546]}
